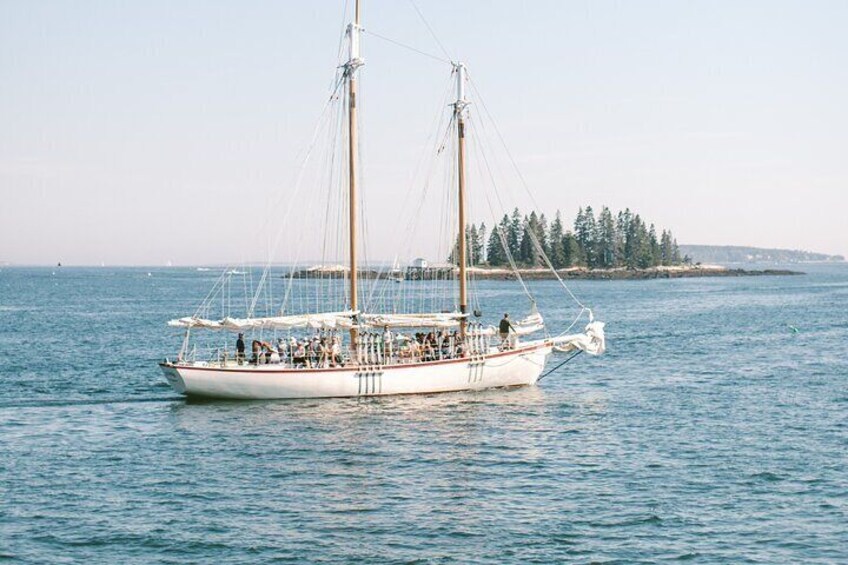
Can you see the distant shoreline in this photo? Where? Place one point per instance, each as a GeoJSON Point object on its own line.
{"type": "Point", "coordinates": [573, 273]}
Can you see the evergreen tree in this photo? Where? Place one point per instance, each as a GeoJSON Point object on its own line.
{"type": "Point", "coordinates": [473, 245]}
{"type": "Point", "coordinates": [622, 227]}
{"type": "Point", "coordinates": [514, 235]}
{"type": "Point", "coordinates": [644, 251]}
{"type": "Point", "coordinates": [675, 251]}
{"type": "Point", "coordinates": [665, 248]}
{"type": "Point", "coordinates": [480, 250]}
{"type": "Point", "coordinates": [527, 251]}
{"type": "Point", "coordinates": [656, 256]}
{"type": "Point", "coordinates": [557, 253]}
{"type": "Point", "coordinates": [584, 231]}
{"type": "Point", "coordinates": [542, 236]}
{"type": "Point", "coordinates": [571, 250]}
{"type": "Point", "coordinates": [495, 255]}
{"type": "Point", "coordinates": [605, 242]}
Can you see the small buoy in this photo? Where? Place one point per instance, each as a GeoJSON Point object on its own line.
{"type": "Point", "coordinates": [149, 274]}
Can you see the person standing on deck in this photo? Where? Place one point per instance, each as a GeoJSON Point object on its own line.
{"type": "Point", "coordinates": [240, 349]}
{"type": "Point", "coordinates": [504, 328]}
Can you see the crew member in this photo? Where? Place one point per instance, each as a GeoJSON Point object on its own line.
{"type": "Point", "coordinates": [504, 328]}
{"type": "Point", "coordinates": [240, 349]}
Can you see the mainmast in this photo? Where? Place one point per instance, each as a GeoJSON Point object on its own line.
{"type": "Point", "coordinates": [459, 114]}
{"type": "Point", "coordinates": [353, 63]}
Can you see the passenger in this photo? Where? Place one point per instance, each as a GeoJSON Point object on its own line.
{"type": "Point", "coordinates": [323, 353]}
{"type": "Point", "coordinates": [388, 345]}
{"type": "Point", "coordinates": [256, 350]}
{"type": "Point", "coordinates": [336, 352]}
{"type": "Point", "coordinates": [415, 350]}
{"type": "Point", "coordinates": [312, 350]}
{"type": "Point", "coordinates": [430, 347]}
{"type": "Point", "coordinates": [504, 328]}
{"type": "Point", "coordinates": [299, 355]}
{"type": "Point", "coordinates": [445, 345]}
{"type": "Point", "coordinates": [274, 354]}
{"type": "Point", "coordinates": [240, 349]}
{"type": "Point", "coordinates": [281, 349]}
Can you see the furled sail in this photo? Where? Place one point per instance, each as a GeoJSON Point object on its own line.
{"type": "Point", "coordinates": [433, 320]}
{"type": "Point", "coordinates": [592, 341]}
{"type": "Point", "coordinates": [324, 320]}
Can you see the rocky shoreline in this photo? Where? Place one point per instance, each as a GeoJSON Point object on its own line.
{"type": "Point", "coordinates": [574, 273]}
{"type": "Point", "coordinates": [641, 274]}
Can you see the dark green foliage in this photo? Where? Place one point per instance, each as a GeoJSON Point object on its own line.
{"type": "Point", "coordinates": [495, 255]}
{"type": "Point", "coordinates": [557, 248]}
{"type": "Point", "coordinates": [513, 236]}
{"type": "Point", "coordinates": [607, 241]}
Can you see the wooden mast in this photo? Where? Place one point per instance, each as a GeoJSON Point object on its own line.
{"type": "Point", "coordinates": [354, 62]}
{"type": "Point", "coordinates": [459, 114]}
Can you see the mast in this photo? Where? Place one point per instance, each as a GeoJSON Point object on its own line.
{"type": "Point", "coordinates": [353, 63]}
{"type": "Point", "coordinates": [459, 114]}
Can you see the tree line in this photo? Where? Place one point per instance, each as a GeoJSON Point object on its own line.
{"type": "Point", "coordinates": [601, 241]}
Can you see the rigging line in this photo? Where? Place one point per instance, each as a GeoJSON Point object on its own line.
{"type": "Point", "coordinates": [204, 304]}
{"type": "Point", "coordinates": [298, 180]}
{"type": "Point", "coordinates": [430, 29]}
{"type": "Point", "coordinates": [501, 234]}
{"type": "Point", "coordinates": [503, 143]}
{"type": "Point", "coordinates": [408, 47]}
{"type": "Point", "coordinates": [523, 182]}
{"type": "Point", "coordinates": [579, 351]}
{"type": "Point", "coordinates": [541, 251]}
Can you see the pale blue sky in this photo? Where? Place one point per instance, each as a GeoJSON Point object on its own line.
{"type": "Point", "coordinates": [129, 131]}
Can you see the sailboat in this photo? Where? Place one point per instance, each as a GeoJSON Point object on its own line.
{"type": "Point", "coordinates": [337, 346]}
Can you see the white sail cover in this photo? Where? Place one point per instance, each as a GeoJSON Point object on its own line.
{"type": "Point", "coordinates": [324, 320]}
{"type": "Point", "coordinates": [592, 341]}
{"type": "Point", "coordinates": [347, 319]}
{"type": "Point", "coordinates": [532, 323]}
{"type": "Point", "coordinates": [528, 325]}
{"type": "Point", "coordinates": [433, 320]}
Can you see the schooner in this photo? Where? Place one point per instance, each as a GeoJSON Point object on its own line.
{"type": "Point", "coordinates": [366, 349]}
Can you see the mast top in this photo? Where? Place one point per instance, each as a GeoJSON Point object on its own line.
{"type": "Point", "coordinates": [354, 30]}
{"type": "Point", "coordinates": [461, 102]}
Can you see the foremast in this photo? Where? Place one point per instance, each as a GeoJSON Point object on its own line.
{"type": "Point", "coordinates": [459, 112]}
{"type": "Point", "coordinates": [350, 68]}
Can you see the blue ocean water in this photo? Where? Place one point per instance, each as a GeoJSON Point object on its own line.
{"type": "Point", "coordinates": [711, 432]}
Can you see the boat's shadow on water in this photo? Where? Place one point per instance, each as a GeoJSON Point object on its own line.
{"type": "Point", "coordinates": [502, 395]}
{"type": "Point", "coordinates": [191, 412]}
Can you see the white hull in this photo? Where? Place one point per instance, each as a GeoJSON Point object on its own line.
{"type": "Point", "coordinates": [519, 367]}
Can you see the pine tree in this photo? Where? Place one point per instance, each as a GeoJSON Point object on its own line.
{"type": "Point", "coordinates": [514, 234]}
{"type": "Point", "coordinates": [473, 246]}
{"type": "Point", "coordinates": [656, 256]}
{"type": "Point", "coordinates": [644, 252]}
{"type": "Point", "coordinates": [622, 228]}
{"type": "Point", "coordinates": [526, 249]}
{"type": "Point", "coordinates": [495, 254]}
{"type": "Point", "coordinates": [665, 248]}
{"type": "Point", "coordinates": [605, 242]}
{"type": "Point", "coordinates": [480, 250]}
{"type": "Point", "coordinates": [557, 253]}
{"type": "Point", "coordinates": [584, 231]}
{"type": "Point", "coordinates": [542, 236]}
{"type": "Point", "coordinates": [675, 251]}
{"type": "Point", "coordinates": [571, 250]}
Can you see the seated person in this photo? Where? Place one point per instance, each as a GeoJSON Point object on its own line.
{"type": "Point", "coordinates": [299, 355]}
